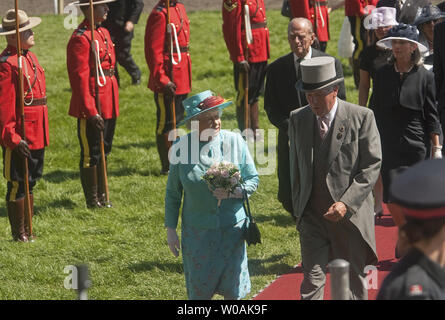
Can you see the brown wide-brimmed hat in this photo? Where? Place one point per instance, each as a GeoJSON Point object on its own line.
{"type": "Point", "coordinates": [25, 23]}
{"type": "Point", "coordinates": [84, 3]}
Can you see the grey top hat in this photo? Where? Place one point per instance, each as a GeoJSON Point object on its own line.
{"type": "Point", "coordinates": [428, 13]}
{"type": "Point", "coordinates": [317, 73]}
{"type": "Point", "coordinates": [25, 23]}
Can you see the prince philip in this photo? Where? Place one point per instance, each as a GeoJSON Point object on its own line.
{"type": "Point", "coordinates": [335, 159]}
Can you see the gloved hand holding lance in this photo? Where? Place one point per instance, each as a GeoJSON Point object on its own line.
{"type": "Point", "coordinates": [172, 39]}
{"type": "Point", "coordinates": [100, 123]}
{"type": "Point", "coordinates": [23, 144]}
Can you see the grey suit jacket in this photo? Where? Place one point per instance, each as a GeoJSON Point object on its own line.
{"type": "Point", "coordinates": [353, 163]}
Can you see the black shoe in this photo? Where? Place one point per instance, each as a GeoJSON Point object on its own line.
{"type": "Point", "coordinates": [136, 82]}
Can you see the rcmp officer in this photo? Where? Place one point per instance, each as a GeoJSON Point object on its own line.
{"type": "Point", "coordinates": [122, 17]}
{"type": "Point", "coordinates": [318, 13]}
{"type": "Point", "coordinates": [251, 62]}
{"type": "Point", "coordinates": [420, 274]}
{"type": "Point", "coordinates": [15, 148]}
{"type": "Point", "coordinates": [81, 71]}
{"type": "Point", "coordinates": [166, 82]}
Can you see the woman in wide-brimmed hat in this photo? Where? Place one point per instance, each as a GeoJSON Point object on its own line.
{"type": "Point", "coordinates": [379, 22]}
{"type": "Point", "coordinates": [213, 221]}
{"type": "Point", "coordinates": [425, 21]}
{"type": "Point", "coordinates": [405, 108]}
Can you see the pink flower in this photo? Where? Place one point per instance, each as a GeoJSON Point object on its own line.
{"type": "Point", "coordinates": [225, 173]}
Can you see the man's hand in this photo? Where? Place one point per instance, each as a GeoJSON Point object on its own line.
{"type": "Point", "coordinates": [97, 121]}
{"type": "Point", "coordinates": [129, 26]}
{"type": "Point", "coordinates": [23, 149]}
{"type": "Point", "coordinates": [170, 89]}
{"type": "Point", "coordinates": [336, 212]}
{"type": "Point", "coordinates": [243, 66]}
{"type": "Point", "coordinates": [173, 241]}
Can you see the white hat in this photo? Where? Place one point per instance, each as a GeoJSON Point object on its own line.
{"type": "Point", "coordinates": [380, 17]}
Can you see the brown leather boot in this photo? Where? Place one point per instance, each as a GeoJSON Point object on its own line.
{"type": "Point", "coordinates": [31, 204]}
{"type": "Point", "coordinates": [163, 145]}
{"type": "Point", "coordinates": [88, 177]}
{"type": "Point", "coordinates": [16, 215]}
{"type": "Point", "coordinates": [101, 194]}
{"type": "Point", "coordinates": [254, 121]}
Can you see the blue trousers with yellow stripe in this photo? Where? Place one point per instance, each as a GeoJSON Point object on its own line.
{"type": "Point", "coordinates": [89, 140]}
{"type": "Point", "coordinates": [13, 171]}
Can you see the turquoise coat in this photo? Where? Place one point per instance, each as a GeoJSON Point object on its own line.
{"type": "Point", "coordinates": [189, 160]}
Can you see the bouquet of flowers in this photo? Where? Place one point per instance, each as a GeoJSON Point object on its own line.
{"type": "Point", "coordinates": [224, 176]}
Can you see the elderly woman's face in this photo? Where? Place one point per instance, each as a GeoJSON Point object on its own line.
{"type": "Point", "coordinates": [210, 123]}
{"type": "Point", "coordinates": [402, 49]}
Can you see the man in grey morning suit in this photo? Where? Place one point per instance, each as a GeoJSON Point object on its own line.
{"type": "Point", "coordinates": [335, 158]}
{"type": "Point", "coordinates": [281, 97]}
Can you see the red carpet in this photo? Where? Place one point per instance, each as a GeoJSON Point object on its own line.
{"type": "Point", "coordinates": [287, 286]}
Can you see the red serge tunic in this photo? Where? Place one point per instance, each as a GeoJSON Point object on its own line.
{"type": "Point", "coordinates": [36, 112]}
{"type": "Point", "coordinates": [157, 55]}
{"type": "Point", "coordinates": [316, 11]}
{"type": "Point", "coordinates": [81, 70]}
{"type": "Point", "coordinates": [235, 34]}
{"type": "Point", "coordinates": [357, 7]}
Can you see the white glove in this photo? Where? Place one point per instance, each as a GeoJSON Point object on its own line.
{"type": "Point", "coordinates": [436, 152]}
{"type": "Point", "coordinates": [173, 241]}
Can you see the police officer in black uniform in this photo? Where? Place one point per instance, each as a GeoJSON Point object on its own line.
{"type": "Point", "coordinates": [122, 17]}
{"type": "Point", "coordinates": [420, 274]}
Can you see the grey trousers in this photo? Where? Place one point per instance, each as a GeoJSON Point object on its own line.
{"type": "Point", "coordinates": [323, 241]}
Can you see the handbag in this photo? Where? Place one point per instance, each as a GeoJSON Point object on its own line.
{"type": "Point", "coordinates": [252, 233]}
{"type": "Point", "coordinates": [285, 9]}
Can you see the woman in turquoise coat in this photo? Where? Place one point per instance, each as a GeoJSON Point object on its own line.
{"type": "Point", "coordinates": [212, 222]}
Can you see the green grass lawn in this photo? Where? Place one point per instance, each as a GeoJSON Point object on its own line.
{"type": "Point", "coordinates": [125, 247]}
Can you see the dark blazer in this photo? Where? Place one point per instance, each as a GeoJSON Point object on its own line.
{"type": "Point", "coordinates": [280, 98]}
{"type": "Point", "coordinates": [439, 66]}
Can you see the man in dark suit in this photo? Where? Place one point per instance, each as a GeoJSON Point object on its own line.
{"type": "Point", "coordinates": [122, 17]}
{"type": "Point", "coordinates": [439, 69]}
{"type": "Point", "coordinates": [281, 97]}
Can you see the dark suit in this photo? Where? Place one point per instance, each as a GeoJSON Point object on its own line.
{"type": "Point", "coordinates": [120, 12]}
{"type": "Point", "coordinates": [280, 98]}
{"type": "Point", "coordinates": [439, 69]}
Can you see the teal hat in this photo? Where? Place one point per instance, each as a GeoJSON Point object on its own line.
{"type": "Point", "coordinates": [202, 102]}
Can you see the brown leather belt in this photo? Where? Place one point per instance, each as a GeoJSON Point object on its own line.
{"type": "Point", "coordinates": [37, 102]}
{"type": "Point", "coordinates": [260, 25]}
{"type": "Point", "coordinates": [109, 72]}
